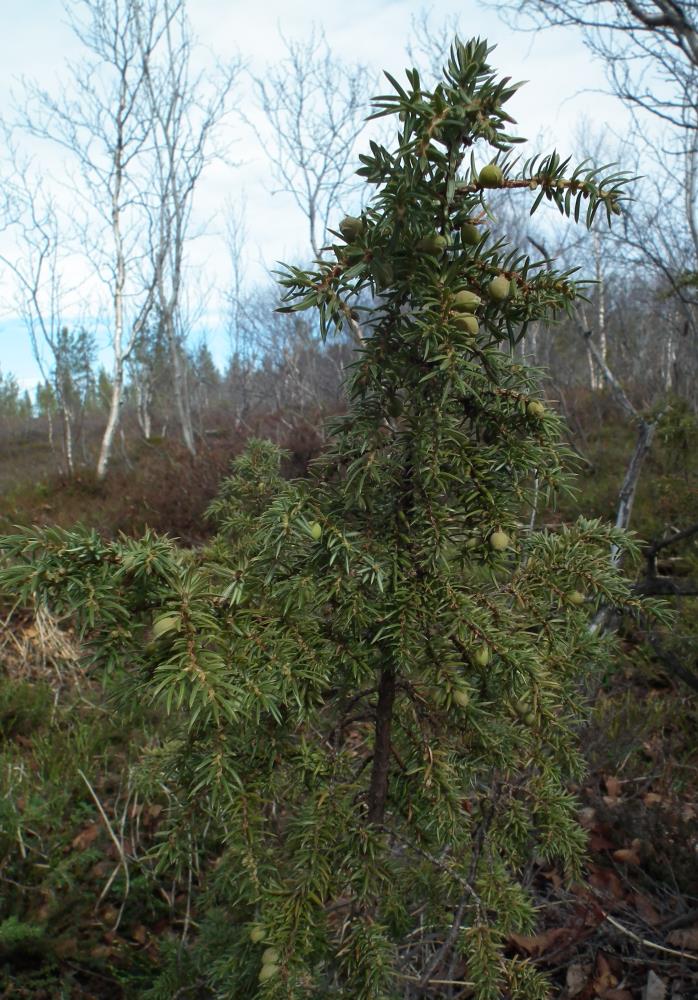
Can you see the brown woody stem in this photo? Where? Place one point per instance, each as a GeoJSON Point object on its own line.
{"type": "Point", "coordinates": [381, 754]}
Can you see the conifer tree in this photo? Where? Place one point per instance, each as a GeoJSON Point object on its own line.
{"type": "Point", "coordinates": [14, 406]}
{"type": "Point", "coordinates": [374, 677]}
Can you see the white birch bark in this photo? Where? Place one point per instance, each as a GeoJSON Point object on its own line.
{"type": "Point", "coordinates": [35, 264]}
{"type": "Point", "coordinates": [100, 122]}
{"type": "Point", "coordinates": [184, 121]}
{"type": "Point", "coordinates": [645, 436]}
{"type": "Point", "coordinates": [600, 304]}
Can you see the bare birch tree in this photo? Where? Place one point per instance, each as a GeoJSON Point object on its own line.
{"type": "Point", "coordinates": [316, 106]}
{"type": "Point", "coordinates": [646, 428]}
{"type": "Point", "coordinates": [244, 345]}
{"type": "Point", "coordinates": [429, 43]}
{"type": "Point", "coordinates": [649, 47]}
{"type": "Point", "coordinates": [35, 260]}
{"type": "Point", "coordinates": [135, 124]}
{"type": "Point", "coordinates": [98, 120]}
{"type": "Point", "coordinates": [185, 110]}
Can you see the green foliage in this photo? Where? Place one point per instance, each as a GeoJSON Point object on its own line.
{"type": "Point", "coordinates": [24, 707]}
{"type": "Point", "coordinates": [59, 883]}
{"type": "Point", "coordinates": [678, 431]}
{"type": "Point", "coordinates": [72, 374]}
{"type": "Point", "coordinates": [336, 743]}
{"type": "Point", "coordinates": [14, 406]}
{"type": "Point", "coordinates": [20, 939]}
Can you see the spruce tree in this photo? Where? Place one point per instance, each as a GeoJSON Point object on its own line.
{"type": "Point", "coordinates": [374, 677]}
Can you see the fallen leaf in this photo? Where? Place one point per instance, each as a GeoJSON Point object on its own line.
{"type": "Point", "coordinates": [101, 951]}
{"type": "Point", "coordinates": [577, 978]}
{"type": "Point", "coordinates": [537, 944]}
{"type": "Point", "coordinates": [101, 870]}
{"type": "Point", "coordinates": [604, 978]}
{"type": "Point", "coordinates": [587, 817]}
{"type": "Point", "coordinates": [139, 934]}
{"type": "Point", "coordinates": [115, 852]}
{"type": "Point", "coordinates": [646, 910]}
{"type": "Point", "coordinates": [613, 787]}
{"type": "Point", "coordinates": [606, 881]}
{"type": "Point", "coordinates": [686, 938]}
{"type": "Point", "coordinates": [655, 988]}
{"type": "Point", "coordinates": [652, 799]}
{"type": "Point", "coordinates": [597, 842]}
{"type": "Point", "coordinates": [627, 856]}
{"type": "Point", "coordinates": [552, 875]}
{"type": "Point", "coordinates": [109, 914]}
{"type": "Point", "coordinates": [85, 837]}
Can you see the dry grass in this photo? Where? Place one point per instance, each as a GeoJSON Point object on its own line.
{"type": "Point", "coordinates": [35, 645]}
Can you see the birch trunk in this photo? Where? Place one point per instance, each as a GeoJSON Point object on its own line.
{"type": "Point", "coordinates": [112, 422]}
{"type": "Point", "coordinates": [645, 435]}
{"type": "Point", "coordinates": [669, 361]}
{"type": "Point", "coordinates": [601, 306]}
{"type": "Point", "coordinates": [68, 441]}
{"type": "Point", "coordinates": [626, 497]}
{"type": "Point", "coordinates": [107, 445]}
{"type": "Point", "coordinates": [181, 392]}
{"type": "Point", "coordinates": [51, 441]}
{"type": "Point", "coordinates": [143, 401]}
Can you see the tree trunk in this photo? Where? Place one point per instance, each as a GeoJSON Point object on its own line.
{"type": "Point", "coordinates": [669, 361]}
{"type": "Point", "coordinates": [143, 400]}
{"type": "Point", "coordinates": [112, 422]}
{"type": "Point", "coordinates": [626, 498]}
{"type": "Point", "coordinates": [594, 376]}
{"type": "Point", "coordinates": [601, 308]}
{"type": "Point", "coordinates": [68, 441]}
{"type": "Point", "coordinates": [378, 791]}
{"type": "Point", "coordinates": [51, 443]}
{"type": "Point", "coordinates": [533, 340]}
{"type": "Point", "coordinates": [118, 334]}
{"type": "Point", "coordinates": [593, 384]}
{"type": "Point", "coordinates": [180, 389]}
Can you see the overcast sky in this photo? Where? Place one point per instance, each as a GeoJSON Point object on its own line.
{"type": "Point", "coordinates": [562, 89]}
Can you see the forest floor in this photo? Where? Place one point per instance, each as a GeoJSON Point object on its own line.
{"type": "Point", "coordinates": [84, 915]}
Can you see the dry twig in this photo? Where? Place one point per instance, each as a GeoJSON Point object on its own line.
{"type": "Point", "coordinates": [649, 944]}
{"type": "Point", "coordinates": [119, 847]}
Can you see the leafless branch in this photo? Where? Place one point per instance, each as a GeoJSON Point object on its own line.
{"type": "Point", "coordinates": [316, 107]}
